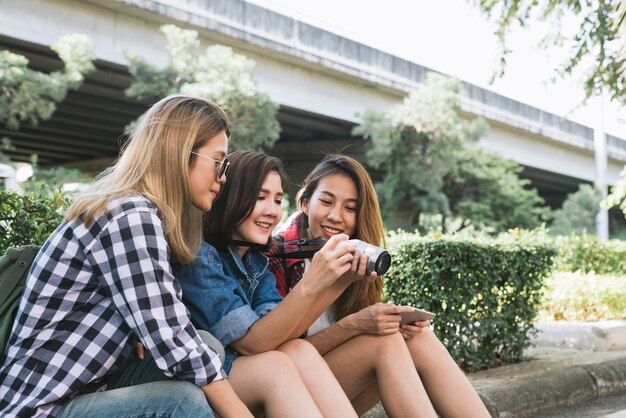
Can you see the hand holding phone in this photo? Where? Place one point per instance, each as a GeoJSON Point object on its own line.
{"type": "Point", "coordinates": [414, 316]}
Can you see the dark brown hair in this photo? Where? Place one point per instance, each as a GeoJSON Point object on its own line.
{"type": "Point", "coordinates": [238, 196]}
{"type": "Point", "coordinates": [369, 226]}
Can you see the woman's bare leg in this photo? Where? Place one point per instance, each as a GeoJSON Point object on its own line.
{"type": "Point", "coordinates": [367, 399]}
{"type": "Point", "coordinates": [442, 377]}
{"type": "Point", "coordinates": [385, 360]}
{"type": "Point", "coordinates": [319, 379]}
{"type": "Point", "coordinates": [269, 383]}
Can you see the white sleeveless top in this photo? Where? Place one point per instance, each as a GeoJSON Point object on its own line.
{"type": "Point", "coordinates": [324, 321]}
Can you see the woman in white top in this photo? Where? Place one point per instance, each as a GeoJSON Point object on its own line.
{"type": "Point", "coordinates": [372, 356]}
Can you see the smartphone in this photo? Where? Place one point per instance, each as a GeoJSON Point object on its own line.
{"type": "Point", "coordinates": [414, 316]}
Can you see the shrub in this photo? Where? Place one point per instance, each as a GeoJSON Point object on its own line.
{"type": "Point", "coordinates": [583, 297]}
{"type": "Point", "coordinates": [30, 218]}
{"type": "Point", "coordinates": [485, 292]}
{"type": "Point", "coordinates": [586, 253]}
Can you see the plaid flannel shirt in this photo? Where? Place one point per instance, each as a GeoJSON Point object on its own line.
{"type": "Point", "coordinates": [90, 291]}
{"type": "Point", "coordinates": [287, 271]}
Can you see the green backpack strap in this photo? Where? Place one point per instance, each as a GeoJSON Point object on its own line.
{"type": "Point", "coordinates": [13, 268]}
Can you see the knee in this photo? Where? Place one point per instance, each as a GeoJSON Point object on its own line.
{"type": "Point", "coordinates": [190, 401]}
{"type": "Point", "coordinates": [298, 347]}
{"type": "Point", "coordinates": [279, 367]}
{"type": "Point", "coordinates": [193, 396]}
{"type": "Point", "coordinates": [277, 357]}
{"type": "Point", "coordinates": [424, 345]}
{"type": "Point", "coordinates": [423, 341]}
{"type": "Point", "coordinates": [387, 344]}
{"type": "Point", "coordinates": [301, 351]}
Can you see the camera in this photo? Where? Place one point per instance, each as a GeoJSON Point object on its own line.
{"type": "Point", "coordinates": [378, 259]}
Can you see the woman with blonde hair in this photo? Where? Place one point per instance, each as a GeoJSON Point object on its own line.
{"type": "Point", "coordinates": [373, 357]}
{"type": "Point", "coordinates": [103, 281]}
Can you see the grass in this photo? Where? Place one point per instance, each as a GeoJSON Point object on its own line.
{"type": "Point", "coordinates": [583, 297]}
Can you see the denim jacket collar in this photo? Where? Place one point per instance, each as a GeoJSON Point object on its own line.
{"type": "Point", "coordinates": [254, 263]}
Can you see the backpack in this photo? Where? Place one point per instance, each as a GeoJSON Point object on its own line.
{"type": "Point", "coordinates": [14, 267]}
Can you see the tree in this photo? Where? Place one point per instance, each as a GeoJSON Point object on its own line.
{"type": "Point", "coordinates": [618, 194]}
{"type": "Point", "coordinates": [485, 190]}
{"type": "Point", "coordinates": [414, 145]}
{"type": "Point", "coordinates": [217, 74]}
{"type": "Point", "coordinates": [578, 213]}
{"type": "Point", "coordinates": [599, 43]}
{"type": "Point", "coordinates": [47, 181]}
{"type": "Point", "coordinates": [30, 96]}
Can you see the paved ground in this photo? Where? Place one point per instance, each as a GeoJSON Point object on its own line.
{"type": "Point", "coordinates": [612, 406]}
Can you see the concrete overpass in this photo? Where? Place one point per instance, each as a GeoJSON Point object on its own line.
{"type": "Point", "coordinates": [321, 80]}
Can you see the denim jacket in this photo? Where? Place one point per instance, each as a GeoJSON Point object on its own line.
{"type": "Point", "coordinates": [226, 294]}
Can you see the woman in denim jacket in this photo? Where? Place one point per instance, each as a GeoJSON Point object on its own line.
{"type": "Point", "coordinates": [231, 293]}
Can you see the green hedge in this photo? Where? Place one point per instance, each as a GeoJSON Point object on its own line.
{"type": "Point", "coordinates": [30, 218]}
{"type": "Point", "coordinates": [587, 254]}
{"type": "Point", "coordinates": [485, 292]}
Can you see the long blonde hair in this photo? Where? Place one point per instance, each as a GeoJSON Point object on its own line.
{"type": "Point", "coordinates": [155, 163]}
{"type": "Point", "coordinates": [369, 226]}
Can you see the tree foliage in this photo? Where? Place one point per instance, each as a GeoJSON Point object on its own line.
{"type": "Point", "coordinates": [618, 194]}
{"type": "Point", "coordinates": [599, 42]}
{"type": "Point", "coordinates": [433, 175]}
{"type": "Point", "coordinates": [30, 96]}
{"type": "Point", "coordinates": [485, 191]}
{"type": "Point", "coordinates": [216, 73]}
{"type": "Point", "coordinates": [414, 146]}
{"type": "Point", "coordinates": [578, 213]}
{"type": "Point", "coordinates": [48, 181]}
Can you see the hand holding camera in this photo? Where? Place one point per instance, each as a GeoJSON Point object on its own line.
{"type": "Point", "coordinates": [358, 270]}
{"type": "Point", "coordinates": [378, 259]}
{"type": "Point", "coordinates": [328, 264]}
{"type": "Point", "coordinates": [350, 259]}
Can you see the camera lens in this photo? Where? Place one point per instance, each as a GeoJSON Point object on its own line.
{"type": "Point", "coordinates": [383, 262]}
{"type": "Point", "coordinates": [378, 259]}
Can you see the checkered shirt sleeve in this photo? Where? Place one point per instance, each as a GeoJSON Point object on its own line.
{"type": "Point", "coordinates": [89, 292]}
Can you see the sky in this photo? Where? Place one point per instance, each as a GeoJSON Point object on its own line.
{"type": "Point", "coordinates": [453, 37]}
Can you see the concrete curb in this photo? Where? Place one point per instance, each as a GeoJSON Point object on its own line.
{"type": "Point", "coordinates": [553, 379]}
{"type": "Point", "coordinates": [558, 383]}
{"type": "Point", "coordinates": [609, 377]}
{"type": "Point", "coordinates": [528, 395]}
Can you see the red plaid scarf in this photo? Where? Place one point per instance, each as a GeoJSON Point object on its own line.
{"type": "Point", "coordinates": [287, 271]}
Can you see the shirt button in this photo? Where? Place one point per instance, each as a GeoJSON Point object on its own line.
{"type": "Point", "coordinates": [240, 281]}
